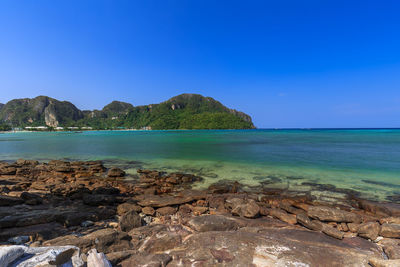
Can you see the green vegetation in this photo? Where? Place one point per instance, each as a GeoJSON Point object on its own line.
{"type": "Point", "coordinates": [186, 111]}
{"type": "Point", "coordinates": [4, 127]}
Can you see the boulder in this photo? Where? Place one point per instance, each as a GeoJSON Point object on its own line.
{"type": "Point", "coordinates": [166, 211]}
{"type": "Point", "coordinates": [390, 230]}
{"type": "Point", "coordinates": [283, 216]}
{"type": "Point", "coordinates": [157, 201]}
{"type": "Point", "coordinates": [207, 223]}
{"type": "Point", "coordinates": [369, 230]}
{"type": "Point", "coordinates": [125, 207]}
{"type": "Point", "coordinates": [115, 172]}
{"type": "Point", "coordinates": [129, 220]}
{"type": "Point", "coordinates": [331, 231]}
{"type": "Point", "coordinates": [377, 262]}
{"type": "Point", "coordinates": [243, 208]}
{"type": "Point", "coordinates": [98, 200]}
{"type": "Point", "coordinates": [105, 240]}
{"type": "Point", "coordinates": [304, 220]}
{"type": "Point", "coordinates": [148, 211]}
{"type": "Point", "coordinates": [96, 259]}
{"type": "Point", "coordinates": [395, 220]}
{"type": "Point", "coordinates": [328, 214]}
{"type": "Point", "coordinates": [147, 260]}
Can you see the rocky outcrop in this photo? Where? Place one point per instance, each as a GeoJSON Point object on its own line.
{"type": "Point", "coordinates": [157, 219]}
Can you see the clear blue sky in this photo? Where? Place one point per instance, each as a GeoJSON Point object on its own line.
{"type": "Point", "coordinates": [286, 63]}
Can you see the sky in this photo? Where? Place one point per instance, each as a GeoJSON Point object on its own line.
{"type": "Point", "coordinates": [287, 63]}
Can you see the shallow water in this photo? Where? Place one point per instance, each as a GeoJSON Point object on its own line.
{"type": "Point", "coordinates": [367, 161]}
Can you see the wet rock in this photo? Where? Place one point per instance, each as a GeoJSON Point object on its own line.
{"type": "Point", "coordinates": [129, 220]}
{"type": "Point", "coordinates": [125, 207]}
{"type": "Point", "coordinates": [243, 208]}
{"type": "Point", "coordinates": [213, 223]}
{"type": "Point", "coordinates": [283, 216]}
{"type": "Point", "coordinates": [304, 220]}
{"type": "Point", "coordinates": [390, 230]}
{"type": "Point", "coordinates": [115, 172]}
{"type": "Point", "coordinates": [328, 214]}
{"type": "Point", "coordinates": [369, 230]}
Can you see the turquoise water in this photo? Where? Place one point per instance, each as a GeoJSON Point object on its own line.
{"type": "Point", "coordinates": [367, 161]}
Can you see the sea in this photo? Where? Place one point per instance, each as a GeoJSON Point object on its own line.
{"type": "Point", "coordinates": [365, 161]}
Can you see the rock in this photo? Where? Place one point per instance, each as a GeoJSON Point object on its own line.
{"type": "Point", "coordinates": [19, 240]}
{"type": "Point", "coordinates": [31, 199]}
{"type": "Point", "coordinates": [199, 210]}
{"type": "Point", "coordinates": [395, 220]}
{"type": "Point", "coordinates": [125, 207]}
{"type": "Point", "coordinates": [271, 247]}
{"type": "Point", "coordinates": [96, 259]}
{"type": "Point", "coordinates": [243, 208]}
{"type": "Point", "coordinates": [10, 201]}
{"type": "Point", "coordinates": [115, 172]}
{"type": "Point", "coordinates": [392, 251]}
{"type": "Point", "coordinates": [328, 214]}
{"type": "Point", "coordinates": [207, 223]}
{"type": "Point", "coordinates": [377, 262]}
{"type": "Point", "coordinates": [46, 256]}
{"type": "Point", "coordinates": [116, 257]}
{"type": "Point", "coordinates": [331, 231]}
{"type": "Point", "coordinates": [105, 240]}
{"type": "Point", "coordinates": [304, 220]}
{"type": "Point", "coordinates": [10, 254]}
{"type": "Point", "coordinates": [98, 200]}
{"type": "Point", "coordinates": [390, 230]}
{"type": "Point", "coordinates": [87, 223]}
{"type": "Point", "coordinates": [283, 216]}
{"type": "Point", "coordinates": [129, 220]}
{"type": "Point", "coordinates": [148, 211]}
{"type": "Point", "coordinates": [166, 211]}
{"type": "Point", "coordinates": [353, 227]}
{"type": "Point", "coordinates": [369, 230]}
{"type": "Point", "coordinates": [147, 260]}
{"type": "Point", "coordinates": [157, 201]}
{"type": "Point", "coordinates": [7, 170]}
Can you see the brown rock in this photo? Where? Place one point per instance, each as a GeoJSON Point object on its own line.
{"type": "Point", "coordinates": [166, 211]}
{"type": "Point", "coordinates": [328, 214]}
{"type": "Point", "coordinates": [129, 220]}
{"type": "Point", "coordinates": [125, 207]}
{"type": "Point", "coordinates": [147, 260]}
{"type": "Point", "coordinates": [369, 230]}
{"type": "Point", "coordinates": [331, 231]}
{"type": "Point", "coordinates": [148, 211]}
{"type": "Point", "coordinates": [115, 172]}
{"type": "Point", "coordinates": [243, 208]}
{"type": "Point", "coordinates": [157, 201]}
{"type": "Point", "coordinates": [213, 223]}
{"type": "Point", "coordinates": [395, 220]}
{"type": "Point", "coordinates": [392, 251]}
{"type": "Point", "coordinates": [353, 227]}
{"type": "Point", "coordinates": [304, 220]}
{"type": "Point", "coordinates": [283, 216]}
{"type": "Point", "coordinates": [377, 262]}
{"type": "Point", "coordinates": [390, 230]}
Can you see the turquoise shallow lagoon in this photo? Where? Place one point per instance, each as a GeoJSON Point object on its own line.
{"type": "Point", "coordinates": [367, 161]}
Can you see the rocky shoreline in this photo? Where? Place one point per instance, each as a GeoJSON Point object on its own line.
{"type": "Point", "coordinates": [81, 213]}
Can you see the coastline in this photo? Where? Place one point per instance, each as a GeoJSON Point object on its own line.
{"type": "Point", "coordinates": [74, 203]}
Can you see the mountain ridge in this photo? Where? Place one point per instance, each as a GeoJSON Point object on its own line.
{"type": "Point", "coordinates": [185, 111]}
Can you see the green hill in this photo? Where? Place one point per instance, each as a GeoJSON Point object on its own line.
{"type": "Point", "coordinates": [186, 111]}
